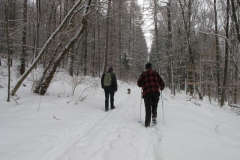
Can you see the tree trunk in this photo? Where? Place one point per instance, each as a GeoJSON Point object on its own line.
{"type": "Point", "coordinates": [37, 28]}
{"type": "Point", "coordinates": [236, 21]}
{"type": "Point", "coordinates": [72, 50]}
{"type": "Point", "coordinates": [169, 44]}
{"type": "Point", "coordinates": [85, 53]}
{"type": "Point", "coordinates": [235, 90]}
{"type": "Point", "coordinates": [217, 55]}
{"type": "Point", "coordinates": [226, 57]}
{"type": "Point", "coordinates": [99, 43]}
{"type": "Point", "coordinates": [37, 85]}
{"type": "Point", "coordinates": [120, 38]}
{"type": "Point", "coordinates": [107, 33]}
{"type": "Point", "coordinates": [156, 34]}
{"type": "Point", "coordinates": [6, 4]}
{"type": "Point", "coordinates": [24, 39]}
{"type": "Point", "coordinates": [93, 62]}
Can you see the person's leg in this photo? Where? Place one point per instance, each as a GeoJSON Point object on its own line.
{"type": "Point", "coordinates": [106, 98]}
{"type": "Point", "coordinates": [112, 98]}
{"type": "Point", "coordinates": [148, 104]}
{"type": "Point", "coordinates": [155, 105]}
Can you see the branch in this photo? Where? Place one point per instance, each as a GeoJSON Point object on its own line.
{"type": "Point", "coordinates": [217, 129]}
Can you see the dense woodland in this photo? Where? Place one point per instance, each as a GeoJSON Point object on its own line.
{"type": "Point", "coordinates": [195, 45]}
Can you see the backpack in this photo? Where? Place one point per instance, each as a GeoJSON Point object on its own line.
{"type": "Point", "coordinates": [107, 79]}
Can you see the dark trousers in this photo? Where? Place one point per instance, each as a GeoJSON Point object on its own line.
{"type": "Point", "coordinates": [151, 104]}
{"type": "Point", "coordinates": [109, 91]}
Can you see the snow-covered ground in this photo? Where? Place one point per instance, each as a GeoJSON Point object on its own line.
{"type": "Point", "coordinates": [59, 126]}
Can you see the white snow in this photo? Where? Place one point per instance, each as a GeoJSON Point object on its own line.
{"type": "Point", "coordinates": [59, 127]}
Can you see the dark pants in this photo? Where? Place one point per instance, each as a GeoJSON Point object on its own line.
{"type": "Point", "coordinates": [109, 91]}
{"type": "Point", "coordinates": [151, 104]}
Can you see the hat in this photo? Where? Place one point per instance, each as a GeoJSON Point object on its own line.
{"type": "Point", "coordinates": [110, 69]}
{"type": "Point", "coordinates": [148, 65]}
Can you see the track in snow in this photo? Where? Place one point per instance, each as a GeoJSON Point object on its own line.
{"type": "Point", "coordinates": [115, 134]}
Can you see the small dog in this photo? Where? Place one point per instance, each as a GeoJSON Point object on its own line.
{"type": "Point", "coordinates": [129, 90]}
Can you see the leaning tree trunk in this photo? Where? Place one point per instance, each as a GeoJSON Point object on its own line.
{"type": "Point", "coordinates": [47, 80]}
{"type": "Point", "coordinates": [46, 45]}
{"type": "Point", "coordinates": [37, 86]}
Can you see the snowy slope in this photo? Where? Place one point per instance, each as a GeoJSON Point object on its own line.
{"type": "Point", "coordinates": [59, 127]}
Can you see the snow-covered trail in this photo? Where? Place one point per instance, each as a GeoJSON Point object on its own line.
{"type": "Point", "coordinates": [115, 134]}
{"type": "Point", "coordinates": [60, 127]}
{"type": "Point", "coordinates": [54, 127]}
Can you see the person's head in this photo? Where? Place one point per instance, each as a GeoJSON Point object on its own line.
{"type": "Point", "coordinates": [110, 69]}
{"type": "Point", "coordinates": [148, 65]}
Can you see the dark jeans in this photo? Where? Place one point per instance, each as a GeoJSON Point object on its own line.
{"type": "Point", "coordinates": [109, 91]}
{"type": "Point", "coordinates": [151, 104]}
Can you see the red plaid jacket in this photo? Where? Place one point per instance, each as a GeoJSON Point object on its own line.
{"type": "Point", "coordinates": [151, 82]}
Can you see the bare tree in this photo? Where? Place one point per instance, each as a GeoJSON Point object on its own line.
{"type": "Point", "coordinates": [236, 21]}
{"type": "Point", "coordinates": [44, 48]}
{"type": "Point", "coordinates": [47, 80]}
{"type": "Point", "coordinates": [6, 4]}
{"type": "Point", "coordinates": [36, 45]}
{"type": "Point", "coordinates": [107, 34]}
{"type": "Point", "coordinates": [217, 54]}
{"type": "Point", "coordinates": [72, 50]}
{"type": "Point", "coordinates": [24, 39]}
{"type": "Point", "coordinates": [226, 55]}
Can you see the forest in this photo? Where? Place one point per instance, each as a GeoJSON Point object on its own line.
{"type": "Point", "coordinates": [195, 44]}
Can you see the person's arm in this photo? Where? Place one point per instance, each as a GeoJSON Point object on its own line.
{"type": "Point", "coordinates": [161, 83]}
{"type": "Point", "coordinates": [102, 79]}
{"type": "Point", "coordinates": [115, 82]}
{"type": "Point", "coordinates": [140, 81]}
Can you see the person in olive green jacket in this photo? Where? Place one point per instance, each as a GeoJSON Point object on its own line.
{"type": "Point", "coordinates": [109, 84]}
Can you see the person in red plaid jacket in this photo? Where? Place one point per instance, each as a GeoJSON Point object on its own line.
{"type": "Point", "coordinates": [151, 84]}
